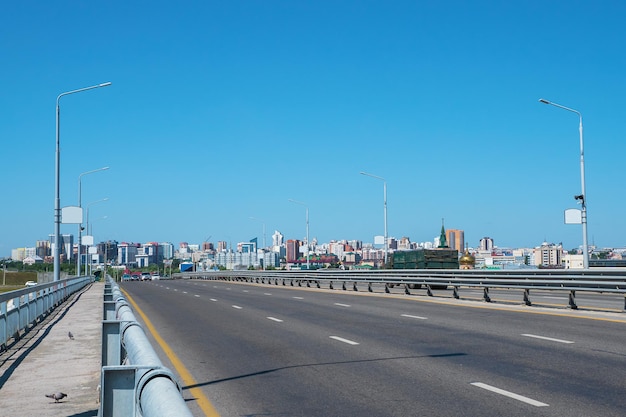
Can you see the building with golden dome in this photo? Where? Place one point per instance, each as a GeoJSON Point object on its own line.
{"type": "Point", "coordinates": [467, 261]}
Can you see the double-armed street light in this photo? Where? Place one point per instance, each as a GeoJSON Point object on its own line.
{"type": "Point", "coordinates": [307, 230]}
{"type": "Point", "coordinates": [583, 196]}
{"type": "Point", "coordinates": [384, 207]}
{"type": "Point", "coordinates": [80, 225]}
{"type": "Point", "coordinates": [57, 175]}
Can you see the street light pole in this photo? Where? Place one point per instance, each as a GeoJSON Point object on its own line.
{"type": "Point", "coordinates": [307, 231]}
{"type": "Point", "coordinates": [57, 175]}
{"type": "Point", "coordinates": [583, 196]}
{"type": "Point", "coordinates": [80, 225]}
{"type": "Point", "coordinates": [87, 222]}
{"type": "Point", "coordinates": [384, 208]}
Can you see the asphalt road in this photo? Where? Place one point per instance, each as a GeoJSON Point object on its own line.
{"type": "Point", "coordinates": [274, 351]}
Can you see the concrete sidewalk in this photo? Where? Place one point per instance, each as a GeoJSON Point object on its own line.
{"type": "Point", "coordinates": [46, 361]}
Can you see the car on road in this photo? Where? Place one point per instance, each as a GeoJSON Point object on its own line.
{"type": "Point", "coordinates": [155, 276]}
{"type": "Point", "coordinates": [135, 276]}
{"type": "Point", "coordinates": [30, 283]}
{"type": "Point", "coordinates": [126, 277]}
{"type": "Point", "coordinates": [145, 276]}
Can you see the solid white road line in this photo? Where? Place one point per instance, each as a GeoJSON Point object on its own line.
{"type": "Point", "coordinates": [342, 305]}
{"type": "Point", "coordinates": [510, 394]}
{"type": "Point", "coordinates": [237, 307]}
{"type": "Point", "coordinates": [547, 338]}
{"type": "Point", "coordinates": [414, 317]}
{"type": "Point", "coordinates": [341, 339]}
{"type": "Point", "coordinates": [275, 319]}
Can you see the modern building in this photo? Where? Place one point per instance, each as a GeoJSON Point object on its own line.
{"type": "Point", "coordinates": [486, 244]}
{"type": "Point", "coordinates": [548, 255]}
{"type": "Point", "coordinates": [456, 239]}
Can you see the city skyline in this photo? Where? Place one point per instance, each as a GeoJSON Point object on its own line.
{"type": "Point", "coordinates": [222, 112]}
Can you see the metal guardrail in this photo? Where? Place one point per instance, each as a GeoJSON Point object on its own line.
{"type": "Point", "coordinates": [611, 280]}
{"type": "Point", "coordinates": [22, 309]}
{"type": "Point", "coordinates": [134, 382]}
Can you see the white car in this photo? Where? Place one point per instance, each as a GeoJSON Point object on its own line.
{"type": "Point", "coordinates": [30, 283]}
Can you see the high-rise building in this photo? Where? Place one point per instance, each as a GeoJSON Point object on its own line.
{"type": "Point", "coordinates": [293, 250]}
{"type": "Point", "coordinates": [456, 239]}
{"type": "Point", "coordinates": [486, 244]}
{"type": "Point", "coordinates": [277, 238]}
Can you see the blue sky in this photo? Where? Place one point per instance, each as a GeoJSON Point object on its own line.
{"type": "Point", "coordinates": [222, 111]}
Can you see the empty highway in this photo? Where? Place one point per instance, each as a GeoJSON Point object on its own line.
{"type": "Point", "coordinates": [261, 350]}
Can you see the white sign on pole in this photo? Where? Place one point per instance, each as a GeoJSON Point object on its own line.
{"type": "Point", "coordinates": [379, 240]}
{"type": "Point", "coordinates": [573, 216]}
{"type": "Point", "coordinates": [71, 215]}
{"type": "Point", "coordinates": [93, 250]}
{"type": "Point", "coordinates": [87, 240]}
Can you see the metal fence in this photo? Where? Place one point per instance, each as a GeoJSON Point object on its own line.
{"type": "Point", "coordinates": [134, 382]}
{"type": "Point", "coordinates": [610, 280]}
{"type": "Point", "coordinates": [22, 309]}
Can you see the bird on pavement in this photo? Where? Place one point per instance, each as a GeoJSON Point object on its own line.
{"type": "Point", "coordinates": [56, 396]}
{"type": "Point", "coordinates": [70, 335]}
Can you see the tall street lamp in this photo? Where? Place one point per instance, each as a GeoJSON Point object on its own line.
{"type": "Point", "coordinates": [80, 225]}
{"type": "Point", "coordinates": [384, 208]}
{"type": "Point", "coordinates": [57, 175]}
{"type": "Point", "coordinates": [583, 196]}
{"type": "Point", "coordinates": [87, 221]}
{"type": "Point", "coordinates": [307, 231]}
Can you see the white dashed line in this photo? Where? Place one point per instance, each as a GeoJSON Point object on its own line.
{"type": "Point", "coordinates": [341, 339]}
{"type": "Point", "coordinates": [275, 319]}
{"type": "Point", "coordinates": [237, 307]}
{"type": "Point", "coordinates": [266, 293]}
{"type": "Point", "coordinates": [547, 338]}
{"type": "Point", "coordinates": [212, 299]}
{"type": "Point", "coordinates": [414, 317]}
{"type": "Point", "coordinates": [343, 305]}
{"type": "Point", "coordinates": [196, 295]}
{"type": "Point", "coordinates": [510, 394]}
{"type": "Point", "coordinates": [299, 298]}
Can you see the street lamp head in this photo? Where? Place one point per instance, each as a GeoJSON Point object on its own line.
{"type": "Point", "coordinates": [105, 84]}
{"type": "Point", "coordinates": [544, 101]}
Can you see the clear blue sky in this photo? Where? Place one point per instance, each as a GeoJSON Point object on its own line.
{"type": "Point", "coordinates": [222, 111]}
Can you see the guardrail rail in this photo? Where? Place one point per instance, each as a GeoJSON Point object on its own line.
{"type": "Point", "coordinates": [21, 309]}
{"type": "Point", "coordinates": [134, 382]}
{"type": "Point", "coordinates": [600, 280]}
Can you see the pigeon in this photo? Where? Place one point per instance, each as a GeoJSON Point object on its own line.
{"type": "Point", "coordinates": [56, 396]}
{"type": "Point", "coordinates": [70, 335]}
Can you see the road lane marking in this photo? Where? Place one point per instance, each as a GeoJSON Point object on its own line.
{"type": "Point", "coordinates": [510, 394]}
{"type": "Point", "coordinates": [184, 292]}
{"type": "Point", "coordinates": [341, 339]}
{"type": "Point", "coordinates": [196, 295]}
{"type": "Point", "coordinates": [212, 299]}
{"type": "Point", "coordinates": [237, 307]}
{"type": "Point", "coordinates": [186, 377]}
{"type": "Point", "coordinates": [343, 305]}
{"type": "Point", "coordinates": [299, 298]}
{"type": "Point", "coordinates": [266, 293]}
{"type": "Point", "coordinates": [275, 319]}
{"type": "Point", "coordinates": [547, 338]}
{"type": "Point", "coordinates": [246, 291]}
{"type": "Point", "coordinates": [414, 317]}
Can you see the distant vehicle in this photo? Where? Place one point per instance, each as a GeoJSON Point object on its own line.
{"type": "Point", "coordinates": [30, 283]}
{"type": "Point", "coordinates": [126, 277]}
{"type": "Point", "coordinates": [135, 276]}
{"type": "Point", "coordinates": [155, 276]}
{"type": "Point", "coordinates": [145, 276]}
